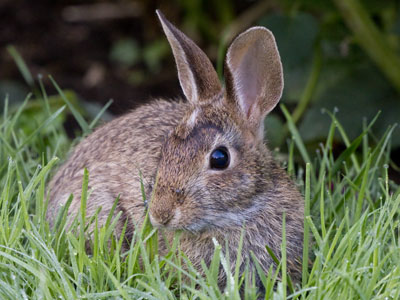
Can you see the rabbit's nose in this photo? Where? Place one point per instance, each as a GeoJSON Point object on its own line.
{"type": "Point", "coordinates": [160, 216]}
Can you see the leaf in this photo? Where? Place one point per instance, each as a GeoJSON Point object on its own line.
{"type": "Point", "coordinates": [77, 115]}
{"type": "Point", "coordinates": [358, 93]}
{"type": "Point", "coordinates": [352, 148]}
{"type": "Point", "coordinates": [23, 68]}
{"type": "Point", "coordinates": [125, 52]}
{"type": "Point", "coordinates": [273, 130]}
{"type": "Point", "coordinates": [15, 91]}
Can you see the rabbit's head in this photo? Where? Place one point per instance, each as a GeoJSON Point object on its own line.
{"type": "Point", "coordinates": [214, 169]}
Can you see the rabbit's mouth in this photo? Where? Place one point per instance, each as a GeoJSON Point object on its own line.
{"type": "Point", "coordinates": [174, 222]}
{"type": "Point", "coordinates": [155, 222]}
{"type": "Point", "coordinates": [168, 220]}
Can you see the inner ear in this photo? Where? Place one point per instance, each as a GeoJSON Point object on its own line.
{"type": "Point", "coordinates": [197, 76]}
{"type": "Point", "coordinates": [253, 74]}
{"type": "Point", "coordinates": [250, 87]}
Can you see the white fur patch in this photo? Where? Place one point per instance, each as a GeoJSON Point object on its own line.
{"type": "Point", "coordinates": [177, 215]}
{"type": "Point", "coordinates": [193, 117]}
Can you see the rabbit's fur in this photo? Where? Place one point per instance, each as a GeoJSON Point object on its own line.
{"type": "Point", "coordinates": [173, 141]}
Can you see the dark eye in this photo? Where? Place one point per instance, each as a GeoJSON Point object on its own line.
{"type": "Point", "coordinates": [219, 158]}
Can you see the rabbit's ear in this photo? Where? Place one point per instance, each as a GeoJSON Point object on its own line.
{"type": "Point", "coordinates": [197, 76]}
{"type": "Point", "coordinates": [253, 74]}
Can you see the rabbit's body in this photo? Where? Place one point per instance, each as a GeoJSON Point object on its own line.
{"type": "Point", "coordinates": [114, 164]}
{"type": "Point", "coordinates": [203, 162]}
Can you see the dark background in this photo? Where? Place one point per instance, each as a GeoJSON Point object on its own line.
{"type": "Point", "coordinates": [102, 50]}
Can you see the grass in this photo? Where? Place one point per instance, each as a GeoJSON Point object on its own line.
{"type": "Point", "coordinates": [352, 242]}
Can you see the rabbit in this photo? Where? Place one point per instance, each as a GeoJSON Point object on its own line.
{"type": "Point", "coordinates": [202, 160]}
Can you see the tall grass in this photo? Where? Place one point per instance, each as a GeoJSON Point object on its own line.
{"type": "Point", "coordinates": [352, 242]}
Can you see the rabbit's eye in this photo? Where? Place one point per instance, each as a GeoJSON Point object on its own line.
{"type": "Point", "coordinates": [219, 158]}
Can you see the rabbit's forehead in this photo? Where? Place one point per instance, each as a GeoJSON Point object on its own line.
{"type": "Point", "coordinates": [199, 137]}
{"type": "Point", "coordinates": [199, 132]}
{"type": "Point", "coordinates": [199, 117]}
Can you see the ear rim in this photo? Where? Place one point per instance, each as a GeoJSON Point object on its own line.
{"type": "Point", "coordinates": [231, 81]}
{"type": "Point", "coordinates": [193, 65]}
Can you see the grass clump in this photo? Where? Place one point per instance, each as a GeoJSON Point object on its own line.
{"type": "Point", "coordinates": [351, 227]}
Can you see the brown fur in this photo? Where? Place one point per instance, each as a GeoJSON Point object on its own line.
{"type": "Point", "coordinates": [173, 141]}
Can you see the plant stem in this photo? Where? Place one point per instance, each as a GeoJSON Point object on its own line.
{"type": "Point", "coordinates": [308, 91]}
{"type": "Point", "coordinates": [310, 86]}
{"type": "Point", "coordinates": [371, 39]}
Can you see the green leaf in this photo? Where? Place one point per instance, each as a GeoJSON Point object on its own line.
{"type": "Point", "coordinates": [125, 52]}
{"type": "Point", "coordinates": [79, 118]}
{"type": "Point", "coordinates": [356, 93]}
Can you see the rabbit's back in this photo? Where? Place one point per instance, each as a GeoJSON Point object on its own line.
{"type": "Point", "coordinates": [117, 155]}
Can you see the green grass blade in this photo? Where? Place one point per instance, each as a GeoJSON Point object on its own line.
{"type": "Point", "coordinates": [79, 118]}
{"type": "Point", "coordinates": [296, 135]}
{"type": "Point", "coordinates": [23, 68]}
